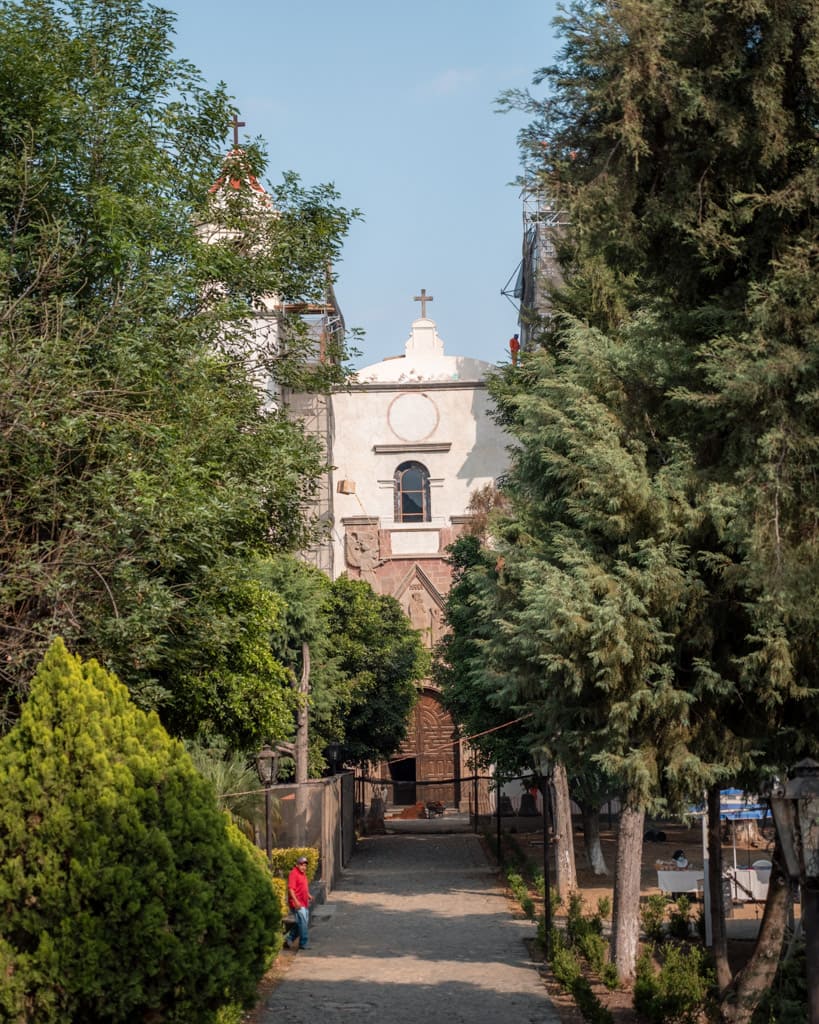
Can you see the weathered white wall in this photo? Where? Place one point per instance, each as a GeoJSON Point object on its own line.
{"type": "Point", "coordinates": [423, 407]}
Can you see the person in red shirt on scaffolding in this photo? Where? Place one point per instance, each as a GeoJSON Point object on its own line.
{"type": "Point", "coordinates": [514, 348]}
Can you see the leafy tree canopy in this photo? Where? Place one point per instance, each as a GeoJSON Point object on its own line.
{"type": "Point", "coordinates": [141, 470]}
{"type": "Point", "coordinates": [382, 658]}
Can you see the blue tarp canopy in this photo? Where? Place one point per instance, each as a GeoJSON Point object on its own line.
{"type": "Point", "coordinates": [737, 805]}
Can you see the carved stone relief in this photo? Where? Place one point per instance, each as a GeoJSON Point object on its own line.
{"type": "Point", "coordinates": [361, 549]}
{"type": "Point", "coordinates": [424, 612]}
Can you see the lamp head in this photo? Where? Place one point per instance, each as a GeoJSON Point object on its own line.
{"type": "Point", "coordinates": [267, 761]}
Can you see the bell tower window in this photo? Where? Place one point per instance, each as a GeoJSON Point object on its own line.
{"type": "Point", "coordinates": [412, 493]}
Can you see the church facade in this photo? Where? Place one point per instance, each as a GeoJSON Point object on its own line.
{"type": "Point", "coordinates": [410, 440]}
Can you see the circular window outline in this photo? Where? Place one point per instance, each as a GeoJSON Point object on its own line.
{"type": "Point", "coordinates": [411, 395]}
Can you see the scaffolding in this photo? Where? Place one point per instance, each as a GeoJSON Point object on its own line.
{"type": "Point", "coordinates": [538, 272]}
{"type": "Point", "coordinates": [325, 331]}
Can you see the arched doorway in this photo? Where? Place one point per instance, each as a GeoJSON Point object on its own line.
{"type": "Point", "coordinates": [431, 753]}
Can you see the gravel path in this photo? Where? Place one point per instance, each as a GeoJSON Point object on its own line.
{"type": "Point", "coordinates": [418, 932]}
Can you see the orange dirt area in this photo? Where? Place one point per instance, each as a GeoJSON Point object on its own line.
{"type": "Point", "coordinates": [414, 811]}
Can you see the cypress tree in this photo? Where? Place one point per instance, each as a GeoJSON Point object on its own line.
{"type": "Point", "coordinates": [681, 140]}
{"type": "Point", "coordinates": [127, 894]}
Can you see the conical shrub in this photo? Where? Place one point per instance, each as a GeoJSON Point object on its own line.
{"type": "Point", "coordinates": [126, 895]}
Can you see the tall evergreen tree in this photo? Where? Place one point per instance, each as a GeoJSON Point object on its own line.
{"type": "Point", "coordinates": [668, 432]}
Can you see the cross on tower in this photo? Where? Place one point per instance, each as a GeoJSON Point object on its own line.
{"type": "Point", "coordinates": [237, 124]}
{"type": "Point", "coordinates": [423, 298]}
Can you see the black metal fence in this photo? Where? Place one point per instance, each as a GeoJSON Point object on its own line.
{"type": "Point", "coordinates": [514, 805]}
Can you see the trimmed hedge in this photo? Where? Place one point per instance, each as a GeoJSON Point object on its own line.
{"type": "Point", "coordinates": [280, 888]}
{"type": "Point", "coordinates": [283, 859]}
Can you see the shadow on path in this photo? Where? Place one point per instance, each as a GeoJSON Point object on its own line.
{"type": "Point", "coordinates": [421, 932]}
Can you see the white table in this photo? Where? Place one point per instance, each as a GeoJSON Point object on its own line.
{"type": "Point", "coordinates": [752, 883]}
{"type": "Point", "coordinates": [683, 880]}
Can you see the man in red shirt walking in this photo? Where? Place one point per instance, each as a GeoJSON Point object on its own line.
{"type": "Point", "coordinates": [298, 899]}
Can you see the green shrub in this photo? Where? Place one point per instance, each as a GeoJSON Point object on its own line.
{"type": "Point", "coordinates": [680, 992]}
{"type": "Point", "coordinates": [280, 888]}
{"type": "Point", "coordinates": [574, 915]}
{"type": "Point", "coordinates": [588, 1003]}
{"type": "Point", "coordinates": [604, 907]}
{"type": "Point", "coordinates": [565, 966]}
{"type": "Point", "coordinates": [283, 859]}
{"type": "Point", "coordinates": [679, 926]}
{"type": "Point", "coordinates": [554, 898]}
{"type": "Point", "coordinates": [585, 932]}
{"type": "Point", "coordinates": [521, 893]}
{"type": "Point", "coordinates": [580, 925]}
{"type": "Point", "coordinates": [232, 1014]}
{"type": "Point", "coordinates": [556, 936]}
{"type": "Point", "coordinates": [594, 948]}
{"type": "Point", "coordinates": [609, 976]}
{"type": "Point", "coordinates": [567, 972]}
{"type": "Point", "coordinates": [646, 985]}
{"type": "Point", "coordinates": [127, 894]}
{"type": "Point", "coordinates": [652, 917]}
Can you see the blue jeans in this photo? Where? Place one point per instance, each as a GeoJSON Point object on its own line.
{"type": "Point", "coordinates": [300, 929]}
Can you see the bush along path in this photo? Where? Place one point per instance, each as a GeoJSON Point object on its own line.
{"type": "Point", "coordinates": [675, 980]}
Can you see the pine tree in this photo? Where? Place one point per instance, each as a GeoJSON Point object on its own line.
{"type": "Point", "coordinates": [681, 140]}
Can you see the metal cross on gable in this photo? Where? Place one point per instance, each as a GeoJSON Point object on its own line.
{"type": "Point", "coordinates": [423, 298]}
{"type": "Point", "coordinates": [237, 124]}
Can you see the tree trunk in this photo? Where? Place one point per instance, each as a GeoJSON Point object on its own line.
{"type": "Point", "coordinates": [742, 996]}
{"type": "Point", "coordinates": [302, 734]}
{"type": "Point", "coordinates": [301, 747]}
{"type": "Point", "coordinates": [591, 839]}
{"type": "Point", "coordinates": [566, 873]}
{"type": "Point", "coordinates": [625, 924]}
{"type": "Point", "coordinates": [719, 936]}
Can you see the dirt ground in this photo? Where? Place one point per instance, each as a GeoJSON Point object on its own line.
{"type": "Point", "coordinates": [593, 888]}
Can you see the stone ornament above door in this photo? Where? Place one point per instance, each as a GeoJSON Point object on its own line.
{"type": "Point", "coordinates": [413, 416]}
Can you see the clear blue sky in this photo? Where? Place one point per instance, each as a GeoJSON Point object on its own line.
{"type": "Point", "coordinates": [394, 104]}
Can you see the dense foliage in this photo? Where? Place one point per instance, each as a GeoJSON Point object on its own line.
{"type": "Point", "coordinates": [127, 894]}
{"type": "Point", "coordinates": [142, 467]}
{"type": "Point", "coordinates": [650, 598]}
{"type": "Point", "coordinates": [382, 658]}
{"type": "Point", "coordinates": [364, 657]}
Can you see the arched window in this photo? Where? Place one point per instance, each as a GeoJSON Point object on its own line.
{"type": "Point", "coordinates": [412, 493]}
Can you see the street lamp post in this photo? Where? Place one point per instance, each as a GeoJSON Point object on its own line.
{"type": "Point", "coordinates": [267, 761]}
{"type": "Point", "coordinates": [795, 809]}
{"type": "Point", "coordinates": [333, 753]}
